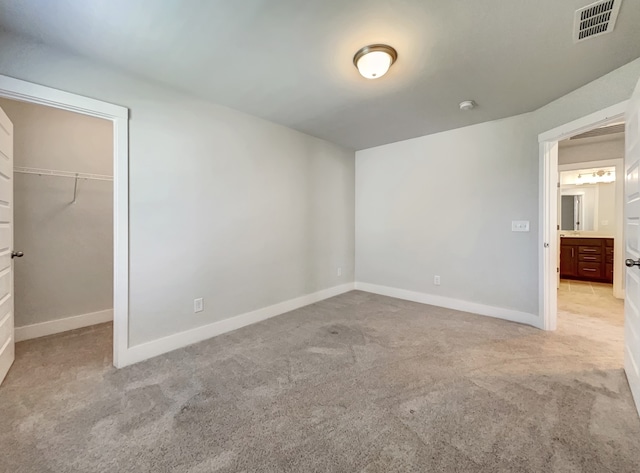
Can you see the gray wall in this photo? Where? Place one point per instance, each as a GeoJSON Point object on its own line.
{"type": "Point", "coordinates": [247, 213]}
{"type": "Point", "coordinates": [68, 265]}
{"type": "Point", "coordinates": [567, 211]}
{"type": "Point", "coordinates": [443, 204]}
{"type": "Point", "coordinates": [223, 205]}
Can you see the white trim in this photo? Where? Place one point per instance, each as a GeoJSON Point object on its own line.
{"type": "Point", "coordinates": [27, 92]}
{"type": "Point", "coordinates": [450, 303]}
{"type": "Point", "coordinates": [632, 379]}
{"type": "Point", "coordinates": [548, 238]}
{"type": "Point", "coordinates": [24, 91]}
{"type": "Point", "coordinates": [62, 325]}
{"type": "Point", "coordinates": [169, 343]}
{"type": "Point", "coordinates": [593, 120]}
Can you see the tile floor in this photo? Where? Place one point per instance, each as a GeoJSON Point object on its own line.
{"type": "Point", "coordinates": [590, 301]}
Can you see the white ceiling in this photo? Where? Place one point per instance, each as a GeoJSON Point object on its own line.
{"type": "Point", "coordinates": [290, 61]}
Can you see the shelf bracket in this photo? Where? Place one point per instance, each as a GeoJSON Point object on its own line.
{"type": "Point", "coordinates": [75, 190]}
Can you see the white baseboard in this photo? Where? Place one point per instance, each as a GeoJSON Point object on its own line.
{"type": "Point", "coordinates": [163, 345]}
{"type": "Point", "coordinates": [51, 327]}
{"type": "Point", "coordinates": [449, 303]}
{"type": "Point", "coordinates": [169, 343]}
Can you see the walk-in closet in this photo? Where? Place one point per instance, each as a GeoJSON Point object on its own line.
{"type": "Point", "coordinates": [63, 219]}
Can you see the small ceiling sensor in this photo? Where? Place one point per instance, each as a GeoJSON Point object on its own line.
{"type": "Point", "coordinates": [467, 105]}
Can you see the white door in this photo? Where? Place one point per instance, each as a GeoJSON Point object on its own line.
{"type": "Point", "coordinates": [558, 229]}
{"type": "Point", "coordinates": [7, 342]}
{"type": "Point", "coordinates": [632, 246]}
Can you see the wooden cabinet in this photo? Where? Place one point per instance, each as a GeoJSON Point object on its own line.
{"type": "Point", "coordinates": [589, 259]}
{"type": "Point", "coordinates": [568, 261]}
{"type": "Point", "coordinates": [608, 258]}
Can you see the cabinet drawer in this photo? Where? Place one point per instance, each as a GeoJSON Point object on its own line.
{"type": "Point", "coordinates": [590, 258]}
{"type": "Point", "coordinates": [609, 271]}
{"type": "Point", "coordinates": [596, 250]}
{"type": "Point", "coordinates": [567, 241]}
{"type": "Point", "coordinates": [609, 259]}
{"type": "Point", "coordinates": [590, 270]}
{"type": "Point", "coordinates": [609, 242]}
{"type": "Point", "coordinates": [609, 250]}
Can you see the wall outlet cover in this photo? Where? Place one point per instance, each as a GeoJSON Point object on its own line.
{"type": "Point", "coordinates": [198, 305]}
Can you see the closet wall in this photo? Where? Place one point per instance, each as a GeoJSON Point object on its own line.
{"type": "Point", "coordinates": [67, 269]}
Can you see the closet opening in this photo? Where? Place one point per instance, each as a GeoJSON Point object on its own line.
{"type": "Point", "coordinates": [49, 162]}
{"type": "Point", "coordinates": [63, 220]}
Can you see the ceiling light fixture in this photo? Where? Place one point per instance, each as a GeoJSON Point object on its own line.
{"type": "Point", "coordinates": [374, 61]}
{"type": "Point", "coordinates": [597, 177]}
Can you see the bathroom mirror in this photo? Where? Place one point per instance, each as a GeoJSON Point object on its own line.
{"type": "Point", "coordinates": [587, 200]}
{"type": "Point", "coordinates": [571, 213]}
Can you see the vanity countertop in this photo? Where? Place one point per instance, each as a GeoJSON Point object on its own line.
{"type": "Point", "coordinates": [585, 236]}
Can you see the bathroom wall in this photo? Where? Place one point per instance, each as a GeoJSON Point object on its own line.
{"type": "Point", "coordinates": [591, 149]}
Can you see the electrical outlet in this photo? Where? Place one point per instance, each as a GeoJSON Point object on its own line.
{"type": "Point", "coordinates": [198, 305]}
{"type": "Point", "coordinates": [436, 280]}
{"type": "Point", "coordinates": [339, 272]}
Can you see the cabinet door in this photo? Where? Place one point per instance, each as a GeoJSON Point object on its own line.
{"type": "Point", "coordinates": [568, 261]}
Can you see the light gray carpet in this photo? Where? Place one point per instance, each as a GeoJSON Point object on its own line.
{"type": "Point", "coordinates": [357, 383]}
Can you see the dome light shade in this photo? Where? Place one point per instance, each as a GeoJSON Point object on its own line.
{"type": "Point", "coordinates": [374, 61]}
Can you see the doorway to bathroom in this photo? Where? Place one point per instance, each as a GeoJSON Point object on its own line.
{"type": "Point", "coordinates": [590, 228]}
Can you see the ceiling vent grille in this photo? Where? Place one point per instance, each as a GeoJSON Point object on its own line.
{"type": "Point", "coordinates": [602, 131]}
{"type": "Point", "coordinates": [595, 19]}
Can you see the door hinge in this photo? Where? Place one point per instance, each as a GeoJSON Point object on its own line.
{"type": "Point", "coordinates": [557, 270]}
{"type": "Point", "coordinates": [558, 185]}
{"type": "Point", "coordinates": [557, 227]}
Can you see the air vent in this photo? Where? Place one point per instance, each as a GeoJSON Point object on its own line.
{"type": "Point", "coordinates": [595, 19]}
{"type": "Point", "coordinates": [603, 131]}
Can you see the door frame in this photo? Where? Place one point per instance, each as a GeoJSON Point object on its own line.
{"type": "Point", "coordinates": [23, 91]}
{"type": "Point", "coordinates": [548, 237]}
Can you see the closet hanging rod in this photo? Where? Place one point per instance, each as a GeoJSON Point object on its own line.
{"type": "Point", "coordinates": [74, 175]}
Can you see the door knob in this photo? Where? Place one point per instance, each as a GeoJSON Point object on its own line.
{"type": "Point", "coordinates": [630, 263]}
{"type": "Point", "coordinates": [17, 254]}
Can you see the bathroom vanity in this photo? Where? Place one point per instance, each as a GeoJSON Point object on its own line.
{"type": "Point", "coordinates": [586, 258]}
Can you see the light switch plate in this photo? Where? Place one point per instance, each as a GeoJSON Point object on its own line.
{"type": "Point", "coordinates": [198, 305]}
{"type": "Point", "coordinates": [520, 226]}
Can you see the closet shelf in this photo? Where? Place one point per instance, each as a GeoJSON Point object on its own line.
{"type": "Point", "coordinates": [73, 175]}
